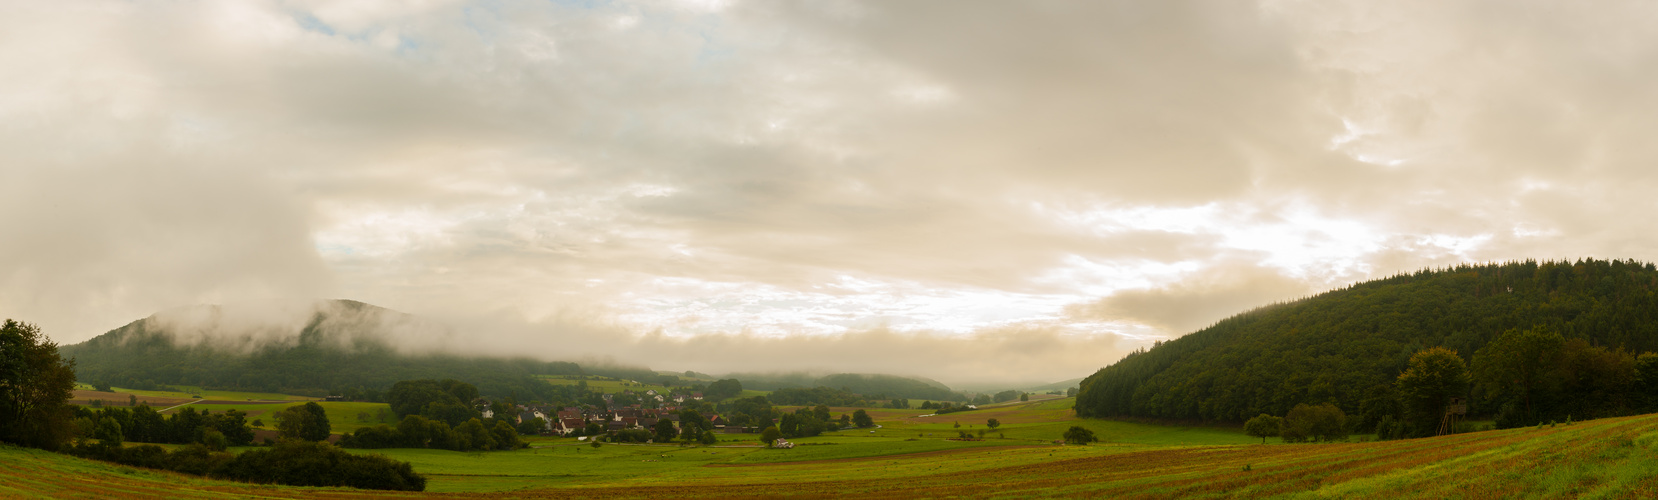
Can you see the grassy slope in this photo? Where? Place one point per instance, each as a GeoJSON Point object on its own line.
{"type": "Point", "coordinates": [1609, 458]}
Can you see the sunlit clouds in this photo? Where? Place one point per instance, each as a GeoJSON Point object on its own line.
{"type": "Point", "coordinates": [963, 190]}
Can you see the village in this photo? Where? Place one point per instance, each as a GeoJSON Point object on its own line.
{"type": "Point", "coordinates": [591, 420]}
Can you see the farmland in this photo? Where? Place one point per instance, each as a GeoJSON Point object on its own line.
{"type": "Point", "coordinates": [1609, 458]}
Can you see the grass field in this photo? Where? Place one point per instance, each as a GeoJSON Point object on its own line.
{"type": "Point", "coordinates": [187, 392]}
{"type": "Point", "coordinates": [343, 416]}
{"type": "Point", "coordinates": [1609, 458]}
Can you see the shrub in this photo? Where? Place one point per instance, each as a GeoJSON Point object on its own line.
{"type": "Point", "coordinates": [1079, 435]}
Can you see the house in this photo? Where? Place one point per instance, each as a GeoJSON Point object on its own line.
{"type": "Point", "coordinates": [697, 396]}
{"type": "Point", "coordinates": [780, 443]}
{"type": "Point", "coordinates": [334, 398]}
{"type": "Point", "coordinates": [651, 392]}
{"type": "Point", "coordinates": [526, 416]}
{"type": "Point", "coordinates": [567, 426]}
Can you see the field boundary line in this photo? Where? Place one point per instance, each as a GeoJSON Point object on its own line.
{"type": "Point", "coordinates": [183, 405]}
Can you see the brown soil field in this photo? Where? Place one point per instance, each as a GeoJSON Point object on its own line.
{"type": "Point", "coordinates": [121, 399]}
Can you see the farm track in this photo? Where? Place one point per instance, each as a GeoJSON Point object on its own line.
{"type": "Point", "coordinates": [1609, 458]}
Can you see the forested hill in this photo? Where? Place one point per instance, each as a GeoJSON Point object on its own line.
{"type": "Point", "coordinates": [334, 346]}
{"type": "Point", "coordinates": [1349, 346]}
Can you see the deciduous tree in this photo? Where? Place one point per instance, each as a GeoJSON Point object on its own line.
{"type": "Point", "coordinates": [861, 418]}
{"type": "Point", "coordinates": [1434, 377]}
{"type": "Point", "coordinates": [35, 385]}
{"type": "Point", "coordinates": [1264, 426]}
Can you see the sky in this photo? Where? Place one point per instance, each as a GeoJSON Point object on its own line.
{"type": "Point", "coordinates": [969, 191]}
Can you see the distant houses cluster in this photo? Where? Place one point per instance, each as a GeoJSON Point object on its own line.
{"type": "Point", "coordinates": [570, 420]}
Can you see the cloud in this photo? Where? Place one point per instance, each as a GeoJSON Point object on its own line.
{"type": "Point", "coordinates": [1200, 299]}
{"type": "Point", "coordinates": [1131, 169]}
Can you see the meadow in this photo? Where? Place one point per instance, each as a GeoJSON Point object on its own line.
{"type": "Point", "coordinates": [1607, 458]}
{"type": "Point", "coordinates": [343, 416]}
{"type": "Point", "coordinates": [189, 392]}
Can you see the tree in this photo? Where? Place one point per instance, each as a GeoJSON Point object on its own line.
{"type": "Point", "coordinates": [770, 436]}
{"type": "Point", "coordinates": [35, 385]}
{"type": "Point", "coordinates": [1024, 397]}
{"type": "Point", "coordinates": [1079, 435]}
{"type": "Point", "coordinates": [505, 436]}
{"type": "Point", "coordinates": [532, 426]}
{"type": "Point", "coordinates": [789, 424]}
{"type": "Point", "coordinates": [1434, 377]}
{"type": "Point", "coordinates": [665, 431]}
{"type": "Point", "coordinates": [1518, 363]}
{"type": "Point", "coordinates": [1264, 426]}
{"type": "Point", "coordinates": [1324, 422]}
{"type": "Point", "coordinates": [993, 423]}
{"type": "Point", "coordinates": [108, 431]}
{"type": "Point", "coordinates": [724, 389]}
{"type": "Point", "coordinates": [1646, 372]}
{"type": "Point", "coordinates": [471, 435]}
{"type": "Point", "coordinates": [308, 422]}
{"type": "Point", "coordinates": [861, 419]}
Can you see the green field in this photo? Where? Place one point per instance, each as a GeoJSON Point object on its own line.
{"type": "Point", "coordinates": [188, 392]}
{"type": "Point", "coordinates": [1609, 458]}
{"type": "Point", "coordinates": [343, 416]}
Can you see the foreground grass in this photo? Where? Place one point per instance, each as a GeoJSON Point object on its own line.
{"type": "Point", "coordinates": [1609, 458]}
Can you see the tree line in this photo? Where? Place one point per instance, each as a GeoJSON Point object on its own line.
{"type": "Point", "coordinates": [1538, 341]}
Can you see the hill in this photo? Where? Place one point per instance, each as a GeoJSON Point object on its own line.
{"type": "Point", "coordinates": [334, 346]}
{"type": "Point", "coordinates": [866, 384]}
{"type": "Point", "coordinates": [1348, 346]}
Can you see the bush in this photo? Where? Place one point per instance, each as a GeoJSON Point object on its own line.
{"type": "Point", "coordinates": [1079, 435]}
{"type": "Point", "coordinates": [307, 463]}
{"type": "Point", "coordinates": [290, 462]}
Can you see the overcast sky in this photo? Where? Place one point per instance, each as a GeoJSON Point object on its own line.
{"type": "Point", "coordinates": [964, 190]}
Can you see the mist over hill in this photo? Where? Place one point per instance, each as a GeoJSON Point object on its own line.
{"type": "Point", "coordinates": [313, 348]}
{"type": "Point", "coordinates": [345, 346]}
{"type": "Point", "coordinates": [1348, 346]}
{"type": "Point", "coordinates": [868, 384]}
